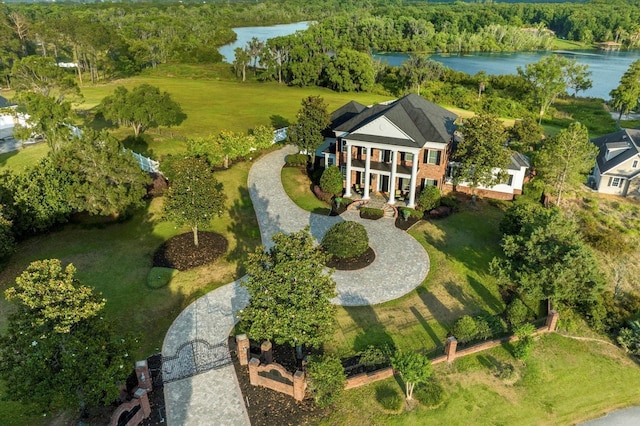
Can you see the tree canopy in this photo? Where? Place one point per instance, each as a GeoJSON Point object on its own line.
{"type": "Point", "coordinates": [59, 352]}
{"type": "Point", "coordinates": [481, 156]}
{"type": "Point", "coordinates": [290, 292]}
{"type": "Point", "coordinates": [563, 161]}
{"type": "Point", "coordinates": [194, 196]}
{"type": "Point", "coordinates": [312, 119]}
{"type": "Point", "coordinates": [142, 108]}
{"type": "Point", "coordinates": [415, 368]}
{"type": "Point", "coordinates": [626, 97]}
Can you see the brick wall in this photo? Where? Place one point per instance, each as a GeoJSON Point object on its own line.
{"type": "Point", "coordinates": [485, 193]}
{"type": "Point", "coordinates": [366, 378]}
{"type": "Point", "coordinates": [295, 387]}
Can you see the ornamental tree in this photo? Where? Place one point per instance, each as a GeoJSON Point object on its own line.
{"type": "Point", "coordinates": [331, 180]}
{"type": "Point", "coordinates": [59, 352]}
{"type": "Point", "coordinates": [481, 156]}
{"type": "Point", "coordinates": [313, 118]}
{"type": "Point", "coordinates": [290, 292]}
{"type": "Point", "coordinates": [326, 379]}
{"type": "Point", "coordinates": [142, 108]}
{"type": "Point", "coordinates": [194, 196]}
{"type": "Point", "coordinates": [414, 367]}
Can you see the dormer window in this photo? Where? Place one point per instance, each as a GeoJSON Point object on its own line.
{"type": "Point", "coordinates": [635, 164]}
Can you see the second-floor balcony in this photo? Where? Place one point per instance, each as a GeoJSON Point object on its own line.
{"type": "Point", "coordinates": [380, 166]}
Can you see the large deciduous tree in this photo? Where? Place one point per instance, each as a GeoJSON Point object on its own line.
{"type": "Point", "coordinates": [312, 119]}
{"type": "Point", "coordinates": [194, 196]}
{"type": "Point", "coordinates": [41, 75]}
{"type": "Point", "coordinates": [564, 159]}
{"type": "Point", "coordinates": [142, 108]}
{"type": "Point", "coordinates": [290, 292]}
{"type": "Point", "coordinates": [481, 156]}
{"type": "Point", "coordinates": [419, 69]}
{"type": "Point", "coordinates": [104, 178]}
{"type": "Point", "coordinates": [551, 76]}
{"type": "Point", "coordinates": [626, 97]}
{"type": "Point", "coordinates": [59, 352]}
{"type": "Point", "coordinates": [547, 259]}
{"type": "Point", "coordinates": [350, 71]}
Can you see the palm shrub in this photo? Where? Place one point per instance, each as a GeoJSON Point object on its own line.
{"type": "Point", "coordinates": [346, 239]}
{"type": "Point", "coordinates": [331, 180]}
{"type": "Point", "coordinates": [429, 198]}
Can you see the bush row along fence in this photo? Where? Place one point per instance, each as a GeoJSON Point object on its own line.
{"type": "Point", "coordinates": [274, 376]}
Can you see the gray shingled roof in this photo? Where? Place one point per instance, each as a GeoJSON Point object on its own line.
{"type": "Point", "coordinates": [420, 119]}
{"type": "Point", "coordinates": [345, 113]}
{"type": "Point", "coordinates": [518, 161]}
{"type": "Point", "coordinates": [625, 137]}
{"type": "Point", "coordinates": [4, 102]}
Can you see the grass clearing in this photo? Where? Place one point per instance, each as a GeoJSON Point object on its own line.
{"type": "Point", "coordinates": [16, 161]}
{"type": "Point", "coordinates": [298, 187]}
{"type": "Point", "coordinates": [460, 248]}
{"type": "Point", "coordinates": [588, 111]}
{"type": "Point", "coordinates": [563, 382]}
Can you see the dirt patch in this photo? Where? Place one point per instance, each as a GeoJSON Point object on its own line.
{"type": "Point", "coordinates": [403, 224]}
{"type": "Point", "coordinates": [180, 253]}
{"type": "Point", "coordinates": [352, 263]}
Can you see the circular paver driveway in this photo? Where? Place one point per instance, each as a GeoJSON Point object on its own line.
{"type": "Point", "coordinates": [214, 397]}
{"type": "Point", "coordinates": [401, 262]}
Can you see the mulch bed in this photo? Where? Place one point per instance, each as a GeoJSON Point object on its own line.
{"type": "Point", "coordinates": [352, 263]}
{"type": "Point", "coordinates": [156, 397]}
{"type": "Point", "coordinates": [267, 407]}
{"type": "Point", "coordinates": [180, 253]}
{"type": "Point", "coordinates": [406, 224]}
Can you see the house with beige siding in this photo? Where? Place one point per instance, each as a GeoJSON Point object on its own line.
{"type": "Point", "coordinates": [398, 147]}
{"type": "Point", "coordinates": [618, 164]}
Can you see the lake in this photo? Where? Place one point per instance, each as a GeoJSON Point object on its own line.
{"type": "Point", "coordinates": [606, 67]}
{"type": "Point", "coordinates": [245, 34]}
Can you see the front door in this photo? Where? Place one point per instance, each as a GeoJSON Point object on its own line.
{"type": "Point", "coordinates": [384, 183]}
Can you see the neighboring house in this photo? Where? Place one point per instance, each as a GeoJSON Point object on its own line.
{"type": "Point", "coordinates": [618, 163]}
{"type": "Point", "coordinates": [398, 148]}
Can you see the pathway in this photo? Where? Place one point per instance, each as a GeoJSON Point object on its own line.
{"type": "Point", "coordinates": [214, 397]}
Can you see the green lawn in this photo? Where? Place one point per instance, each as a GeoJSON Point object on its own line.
{"type": "Point", "coordinates": [18, 160]}
{"type": "Point", "coordinates": [460, 248]}
{"type": "Point", "coordinates": [298, 187]}
{"type": "Point", "coordinates": [563, 382]}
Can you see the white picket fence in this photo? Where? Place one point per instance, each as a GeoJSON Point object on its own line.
{"type": "Point", "coordinates": [146, 163]}
{"type": "Point", "coordinates": [280, 135]}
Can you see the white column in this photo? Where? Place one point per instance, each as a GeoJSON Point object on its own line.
{"type": "Point", "coordinates": [414, 177]}
{"type": "Point", "coordinates": [392, 178]}
{"type": "Point", "coordinates": [367, 174]}
{"type": "Point", "coordinates": [347, 193]}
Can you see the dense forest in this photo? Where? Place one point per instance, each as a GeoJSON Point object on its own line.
{"type": "Point", "coordinates": [108, 40]}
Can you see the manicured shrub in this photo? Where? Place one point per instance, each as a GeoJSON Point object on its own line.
{"type": "Point", "coordinates": [346, 239]}
{"type": "Point", "coordinates": [371, 213]}
{"type": "Point", "coordinates": [449, 201]}
{"type": "Point", "coordinates": [326, 379]}
{"type": "Point", "coordinates": [321, 195]}
{"type": "Point", "coordinates": [407, 213]}
{"type": "Point", "coordinates": [483, 331]}
{"type": "Point", "coordinates": [375, 356]}
{"type": "Point", "coordinates": [523, 347]}
{"type": "Point", "coordinates": [389, 397]}
{"type": "Point", "coordinates": [296, 160]}
{"type": "Point", "coordinates": [429, 198]}
{"type": "Point", "coordinates": [331, 180]}
{"type": "Point", "coordinates": [464, 330]}
{"type": "Point", "coordinates": [517, 313]}
{"type": "Point", "coordinates": [430, 394]}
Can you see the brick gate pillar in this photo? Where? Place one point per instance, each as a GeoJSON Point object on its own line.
{"type": "Point", "coordinates": [142, 373]}
{"type": "Point", "coordinates": [243, 349]}
{"type": "Point", "coordinates": [450, 349]}
{"type": "Point", "coordinates": [299, 385]}
{"type": "Point", "coordinates": [253, 371]}
{"type": "Point", "coordinates": [552, 320]}
{"type": "Point", "coordinates": [267, 352]}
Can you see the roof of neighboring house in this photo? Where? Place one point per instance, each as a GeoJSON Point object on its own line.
{"type": "Point", "coordinates": [421, 120]}
{"type": "Point", "coordinates": [518, 161]}
{"type": "Point", "coordinates": [626, 140]}
{"type": "Point", "coordinates": [4, 102]}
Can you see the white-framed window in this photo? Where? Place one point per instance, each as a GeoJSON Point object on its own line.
{"type": "Point", "coordinates": [510, 180]}
{"type": "Point", "coordinates": [615, 182]}
{"type": "Point", "coordinates": [386, 156]}
{"type": "Point", "coordinates": [431, 156]}
{"type": "Point", "coordinates": [635, 164]}
{"type": "Point", "coordinates": [361, 178]}
{"type": "Point", "coordinates": [330, 161]}
{"type": "Point", "coordinates": [343, 146]}
{"type": "Point", "coordinates": [343, 169]}
{"type": "Point", "coordinates": [408, 156]}
{"type": "Point", "coordinates": [428, 182]}
{"type": "Point", "coordinates": [405, 184]}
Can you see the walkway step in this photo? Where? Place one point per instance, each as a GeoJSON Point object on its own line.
{"type": "Point", "coordinates": [389, 211]}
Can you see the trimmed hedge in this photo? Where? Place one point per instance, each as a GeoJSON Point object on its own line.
{"type": "Point", "coordinates": [345, 240]}
{"type": "Point", "coordinates": [429, 198]}
{"type": "Point", "coordinates": [321, 195]}
{"type": "Point", "coordinates": [412, 213]}
{"type": "Point", "coordinates": [331, 180]}
{"type": "Point", "coordinates": [390, 398]}
{"type": "Point", "coordinates": [430, 394]}
{"type": "Point", "coordinates": [371, 213]}
{"type": "Point", "coordinates": [296, 160]}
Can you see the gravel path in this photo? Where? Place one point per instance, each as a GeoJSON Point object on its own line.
{"type": "Point", "coordinates": [214, 397]}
